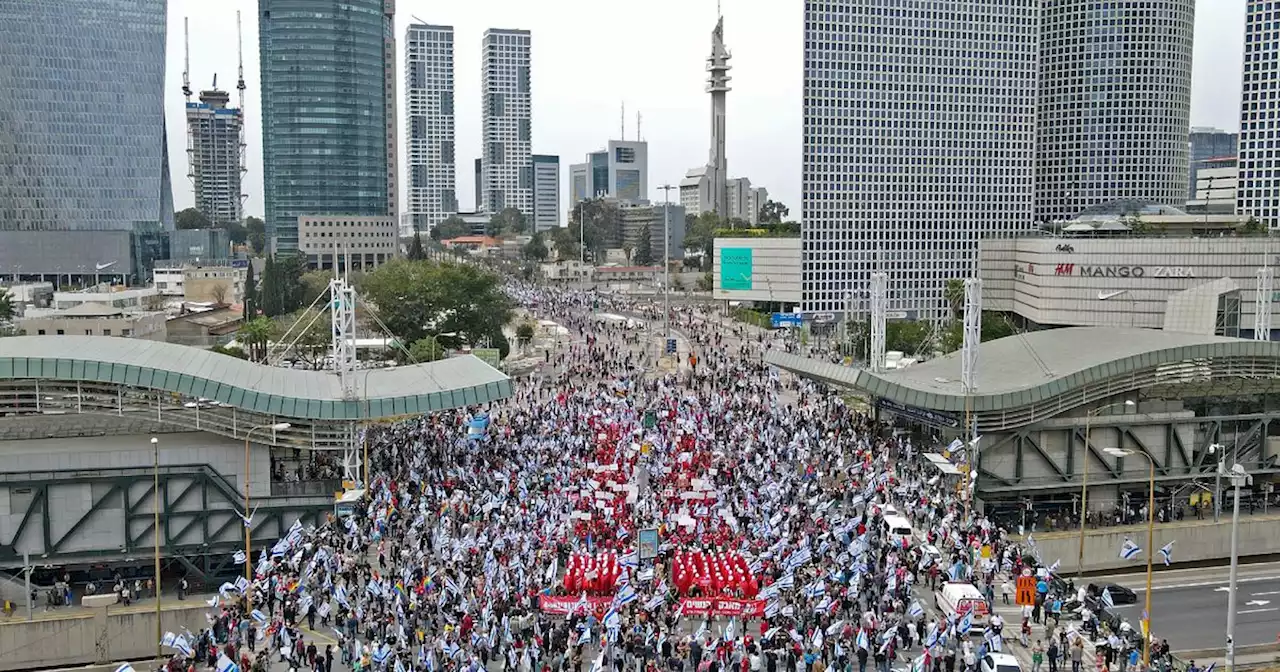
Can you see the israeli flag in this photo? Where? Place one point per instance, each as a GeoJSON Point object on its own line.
{"type": "Point", "coordinates": [863, 642]}
{"type": "Point", "coordinates": [915, 610]}
{"type": "Point", "coordinates": [125, 667]}
{"type": "Point", "coordinates": [965, 624]}
{"type": "Point", "coordinates": [771, 632]}
{"type": "Point", "coordinates": [625, 596]}
{"type": "Point", "coordinates": [258, 616]}
{"type": "Point", "coordinates": [1106, 597]}
{"type": "Point", "coordinates": [729, 630]}
{"type": "Point", "coordinates": [817, 638]}
{"type": "Point", "coordinates": [1053, 569]}
{"type": "Point", "coordinates": [585, 637]}
{"type": "Point", "coordinates": [815, 590]}
{"type": "Point", "coordinates": [340, 594]}
{"type": "Point", "coordinates": [631, 559]}
{"type": "Point", "coordinates": [772, 608]}
{"type": "Point", "coordinates": [225, 664]}
{"type": "Point", "coordinates": [755, 568]}
{"type": "Point", "coordinates": [239, 558]}
{"type": "Point", "coordinates": [622, 532]}
{"type": "Point", "coordinates": [653, 603]}
{"type": "Point", "coordinates": [702, 632]}
{"type": "Point", "coordinates": [1129, 550]}
{"type": "Point", "coordinates": [1166, 552]}
{"type": "Point", "coordinates": [797, 559]}
{"type": "Point", "coordinates": [786, 582]}
{"type": "Point", "coordinates": [834, 628]}
{"type": "Point", "coordinates": [242, 584]}
{"type": "Point", "coordinates": [381, 654]}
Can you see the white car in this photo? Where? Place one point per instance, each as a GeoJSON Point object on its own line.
{"type": "Point", "coordinates": [999, 662]}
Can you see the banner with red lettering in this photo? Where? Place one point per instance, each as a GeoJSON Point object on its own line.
{"type": "Point", "coordinates": [721, 606]}
{"type": "Point", "coordinates": [561, 606]}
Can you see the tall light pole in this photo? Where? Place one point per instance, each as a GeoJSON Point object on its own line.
{"type": "Point", "coordinates": [1239, 477]}
{"type": "Point", "coordinates": [1084, 481]}
{"type": "Point", "coordinates": [155, 501]}
{"type": "Point", "coordinates": [666, 261]}
{"type": "Point", "coordinates": [248, 523]}
{"type": "Point", "coordinates": [1151, 528]}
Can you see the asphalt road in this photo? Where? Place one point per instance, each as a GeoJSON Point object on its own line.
{"type": "Point", "coordinates": [1189, 607]}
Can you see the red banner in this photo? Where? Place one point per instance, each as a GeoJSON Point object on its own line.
{"type": "Point", "coordinates": [720, 606]}
{"type": "Point", "coordinates": [561, 606]}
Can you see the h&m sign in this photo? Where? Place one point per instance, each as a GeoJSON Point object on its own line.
{"type": "Point", "coordinates": [1089, 271]}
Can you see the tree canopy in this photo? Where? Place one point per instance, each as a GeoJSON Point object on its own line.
{"type": "Point", "coordinates": [282, 288]}
{"type": "Point", "coordinates": [597, 222]}
{"type": "Point", "coordinates": [6, 305]}
{"type": "Point", "coordinates": [191, 219]}
{"type": "Point", "coordinates": [508, 222]}
{"type": "Point", "coordinates": [459, 304]}
{"type": "Point", "coordinates": [773, 212]}
{"type": "Point", "coordinates": [535, 249]}
{"type": "Point", "coordinates": [416, 251]}
{"type": "Point", "coordinates": [451, 227]}
{"type": "Point", "coordinates": [257, 236]}
{"type": "Point", "coordinates": [644, 249]}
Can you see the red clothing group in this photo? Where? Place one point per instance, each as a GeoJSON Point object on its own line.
{"type": "Point", "coordinates": [713, 574]}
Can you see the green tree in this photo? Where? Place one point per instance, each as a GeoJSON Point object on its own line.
{"type": "Point", "coordinates": [416, 251]}
{"type": "Point", "coordinates": [191, 219]}
{"type": "Point", "coordinates": [598, 222]}
{"type": "Point", "coordinates": [230, 351]}
{"type": "Point", "coordinates": [535, 249]}
{"type": "Point", "coordinates": [1253, 226]}
{"type": "Point", "coordinates": [644, 249]}
{"type": "Point", "coordinates": [994, 325]}
{"type": "Point", "coordinates": [773, 212]}
{"type": "Point", "coordinates": [906, 336]}
{"type": "Point", "coordinates": [524, 333]}
{"type": "Point", "coordinates": [314, 283]}
{"type": "Point", "coordinates": [250, 293]}
{"type": "Point", "coordinates": [282, 288]}
{"type": "Point", "coordinates": [6, 305]}
{"type": "Point", "coordinates": [700, 236]}
{"type": "Point", "coordinates": [451, 227]}
{"type": "Point", "coordinates": [508, 222]}
{"type": "Point", "coordinates": [306, 334]}
{"type": "Point", "coordinates": [458, 303]}
{"type": "Point", "coordinates": [953, 293]}
{"type": "Point", "coordinates": [254, 334]}
{"type": "Point", "coordinates": [423, 350]}
{"type": "Point", "coordinates": [257, 233]}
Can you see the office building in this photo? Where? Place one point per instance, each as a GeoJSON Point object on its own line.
{"type": "Point", "coordinates": [1208, 146]}
{"type": "Point", "coordinates": [756, 198]}
{"type": "Point", "coordinates": [1216, 188]}
{"type": "Point", "coordinates": [695, 191]}
{"type": "Point", "coordinates": [1259, 189]}
{"type": "Point", "coordinates": [913, 197]}
{"type": "Point", "coordinates": [1114, 104]}
{"type": "Point", "coordinates": [620, 170]}
{"type": "Point", "coordinates": [429, 132]}
{"type": "Point", "coordinates": [507, 132]}
{"type": "Point", "coordinates": [359, 243]}
{"type": "Point", "coordinates": [741, 198]}
{"type": "Point", "coordinates": [82, 141]}
{"type": "Point", "coordinates": [328, 112]}
{"type": "Point", "coordinates": [479, 171]}
{"type": "Point", "coordinates": [658, 221]}
{"type": "Point", "coordinates": [546, 193]}
{"type": "Point", "coordinates": [213, 141]}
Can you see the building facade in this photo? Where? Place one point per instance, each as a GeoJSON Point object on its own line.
{"type": "Point", "coordinates": [620, 170]}
{"type": "Point", "coordinates": [96, 320]}
{"type": "Point", "coordinates": [429, 129]}
{"type": "Point", "coordinates": [328, 112]}
{"type": "Point", "coordinates": [913, 198]}
{"type": "Point", "coordinates": [213, 136]}
{"type": "Point", "coordinates": [695, 191]}
{"type": "Point", "coordinates": [1101, 135]}
{"type": "Point", "coordinates": [546, 193]}
{"type": "Point", "coordinates": [83, 143]}
{"type": "Point", "coordinates": [1208, 146]}
{"type": "Point", "coordinates": [1216, 187]}
{"type": "Point", "coordinates": [740, 200]}
{"type": "Point", "coordinates": [1127, 281]}
{"type": "Point", "coordinates": [357, 243]}
{"type": "Point", "coordinates": [657, 221]}
{"type": "Point", "coordinates": [579, 182]}
{"type": "Point", "coordinates": [506, 176]}
{"type": "Point", "coordinates": [757, 269]}
{"type": "Point", "coordinates": [1259, 190]}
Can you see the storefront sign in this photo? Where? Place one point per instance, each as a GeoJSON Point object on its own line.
{"type": "Point", "coordinates": [1065, 248]}
{"type": "Point", "coordinates": [1087, 271]}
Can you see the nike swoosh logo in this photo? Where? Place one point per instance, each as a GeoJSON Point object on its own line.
{"type": "Point", "coordinates": [1103, 296]}
{"type": "Point", "coordinates": [106, 265]}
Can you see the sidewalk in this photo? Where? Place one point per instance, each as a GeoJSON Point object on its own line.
{"type": "Point", "coordinates": [168, 602]}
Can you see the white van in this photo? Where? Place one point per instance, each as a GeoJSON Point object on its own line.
{"type": "Point", "coordinates": [898, 530]}
{"type": "Point", "coordinates": [957, 598]}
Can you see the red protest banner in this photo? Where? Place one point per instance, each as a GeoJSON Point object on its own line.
{"type": "Point", "coordinates": [719, 606]}
{"type": "Point", "coordinates": [561, 606]}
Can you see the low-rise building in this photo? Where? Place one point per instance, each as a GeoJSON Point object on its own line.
{"type": "Point", "coordinates": [471, 243]}
{"type": "Point", "coordinates": [217, 281]}
{"type": "Point", "coordinates": [356, 242]}
{"type": "Point", "coordinates": [569, 270]}
{"type": "Point", "coordinates": [205, 328]}
{"type": "Point", "coordinates": [92, 319]}
{"type": "Point", "coordinates": [138, 299]}
{"type": "Point", "coordinates": [608, 274]}
{"type": "Point", "coordinates": [23, 295]}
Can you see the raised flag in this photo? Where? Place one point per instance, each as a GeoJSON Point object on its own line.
{"type": "Point", "coordinates": [239, 558]}
{"type": "Point", "coordinates": [1166, 553]}
{"type": "Point", "coordinates": [1129, 550]}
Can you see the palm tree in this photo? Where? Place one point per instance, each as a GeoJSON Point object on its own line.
{"type": "Point", "coordinates": [953, 292]}
{"type": "Point", "coordinates": [255, 334]}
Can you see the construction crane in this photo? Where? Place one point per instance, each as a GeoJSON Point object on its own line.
{"type": "Point", "coordinates": [186, 58]}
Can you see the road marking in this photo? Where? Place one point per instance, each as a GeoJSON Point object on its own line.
{"type": "Point", "coordinates": [1222, 589]}
{"type": "Point", "coordinates": [1201, 584]}
{"type": "Point", "coordinates": [1257, 611]}
{"type": "Point", "coordinates": [1257, 603]}
{"type": "Point", "coordinates": [1269, 592]}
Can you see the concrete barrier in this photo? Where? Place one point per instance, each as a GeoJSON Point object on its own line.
{"type": "Point", "coordinates": [92, 636]}
{"type": "Point", "coordinates": [1194, 541]}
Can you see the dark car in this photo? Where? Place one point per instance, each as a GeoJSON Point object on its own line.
{"type": "Point", "coordinates": [1119, 594]}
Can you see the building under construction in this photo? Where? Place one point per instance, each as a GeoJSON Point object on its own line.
{"type": "Point", "coordinates": [215, 148]}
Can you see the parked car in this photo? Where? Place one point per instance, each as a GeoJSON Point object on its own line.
{"type": "Point", "coordinates": [1119, 594]}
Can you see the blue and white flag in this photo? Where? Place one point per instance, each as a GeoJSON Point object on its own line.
{"type": "Point", "coordinates": [622, 531]}
{"type": "Point", "coordinates": [258, 616]}
{"type": "Point", "coordinates": [125, 667]}
{"type": "Point", "coordinates": [729, 630]}
{"type": "Point", "coordinates": [816, 589]}
{"type": "Point", "coordinates": [772, 608]}
{"type": "Point", "coordinates": [786, 581]}
{"type": "Point", "coordinates": [653, 603]}
{"type": "Point", "coordinates": [239, 558]}
{"type": "Point", "coordinates": [631, 559]}
{"type": "Point", "coordinates": [755, 568]}
{"type": "Point", "coordinates": [585, 637]}
{"type": "Point", "coordinates": [381, 654]}
{"type": "Point", "coordinates": [863, 642]}
{"type": "Point", "coordinates": [798, 559]}
{"type": "Point", "coordinates": [965, 624]}
{"type": "Point", "coordinates": [580, 604]}
{"type": "Point", "coordinates": [817, 638]}
{"type": "Point", "coordinates": [1166, 552]}
{"type": "Point", "coordinates": [340, 594]}
{"type": "Point", "coordinates": [1129, 550]}
{"type": "Point", "coordinates": [225, 664]}
{"type": "Point", "coordinates": [915, 610]}
{"type": "Point", "coordinates": [625, 596]}
{"type": "Point", "coordinates": [1106, 597]}
{"type": "Point", "coordinates": [702, 631]}
{"type": "Point", "coordinates": [1053, 569]}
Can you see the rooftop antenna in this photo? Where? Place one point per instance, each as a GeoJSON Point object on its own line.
{"type": "Point", "coordinates": [638, 138]}
{"type": "Point", "coordinates": [186, 58]}
{"type": "Point", "coordinates": [623, 119]}
{"type": "Point", "coordinates": [215, 80]}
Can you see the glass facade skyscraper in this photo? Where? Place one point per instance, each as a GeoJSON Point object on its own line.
{"type": "Point", "coordinates": [82, 136]}
{"type": "Point", "coordinates": [328, 100]}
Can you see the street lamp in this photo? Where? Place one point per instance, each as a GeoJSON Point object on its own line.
{"type": "Point", "coordinates": [248, 524]}
{"type": "Point", "coordinates": [1239, 477]}
{"type": "Point", "coordinates": [1084, 482]}
{"type": "Point", "coordinates": [1151, 527]}
{"type": "Point", "coordinates": [155, 501]}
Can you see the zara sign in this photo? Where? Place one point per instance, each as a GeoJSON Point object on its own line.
{"type": "Point", "coordinates": [1087, 271]}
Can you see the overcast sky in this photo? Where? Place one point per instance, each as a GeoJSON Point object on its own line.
{"type": "Point", "coordinates": [591, 57]}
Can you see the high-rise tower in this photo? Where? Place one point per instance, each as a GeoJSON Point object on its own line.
{"type": "Point", "coordinates": [1258, 193]}
{"type": "Point", "coordinates": [1114, 103]}
{"type": "Point", "coordinates": [718, 86]}
{"type": "Point", "coordinates": [328, 114]}
{"type": "Point", "coordinates": [429, 131]}
{"type": "Point", "coordinates": [507, 106]}
{"type": "Point", "coordinates": [919, 139]}
{"type": "Point", "coordinates": [213, 135]}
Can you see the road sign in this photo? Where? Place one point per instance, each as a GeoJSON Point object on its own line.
{"type": "Point", "coordinates": [787, 320]}
{"type": "Point", "coordinates": [824, 318]}
{"type": "Point", "coordinates": [895, 315]}
{"type": "Point", "coordinates": [1026, 592]}
{"type": "Point", "coordinates": [489, 356]}
{"type": "Point", "coordinates": [671, 346]}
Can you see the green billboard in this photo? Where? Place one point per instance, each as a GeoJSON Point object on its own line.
{"type": "Point", "coordinates": [735, 268]}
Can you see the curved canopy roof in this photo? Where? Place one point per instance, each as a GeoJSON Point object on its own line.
{"type": "Point", "coordinates": [1038, 367]}
{"type": "Point", "coordinates": [314, 395]}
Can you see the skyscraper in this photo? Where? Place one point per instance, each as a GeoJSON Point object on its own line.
{"type": "Point", "coordinates": [1258, 193]}
{"type": "Point", "coordinates": [213, 134]}
{"type": "Point", "coordinates": [620, 170]}
{"type": "Point", "coordinates": [718, 86]}
{"type": "Point", "coordinates": [429, 133]}
{"type": "Point", "coordinates": [507, 173]}
{"type": "Point", "coordinates": [1208, 146]}
{"type": "Point", "coordinates": [328, 113]}
{"type": "Point", "coordinates": [546, 193]}
{"type": "Point", "coordinates": [1114, 103]}
{"type": "Point", "coordinates": [906, 166]}
{"type": "Point", "coordinates": [82, 133]}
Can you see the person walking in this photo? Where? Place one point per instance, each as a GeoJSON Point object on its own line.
{"type": "Point", "coordinates": [1037, 656]}
{"type": "Point", "coordinates": [1077, 654]}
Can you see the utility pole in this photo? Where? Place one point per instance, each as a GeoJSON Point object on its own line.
{"type": "Point", "coordinates": [666, 260]}
{"type": "Point", "coordinates": [1239, 477]}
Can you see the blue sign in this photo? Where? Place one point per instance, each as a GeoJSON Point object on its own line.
{"type": "Point", "coordinates": [671, 346]}
{"type": "Point", "coordinates": [921, 415]}
{"type": "Point", "coordinates": [781, 320]}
